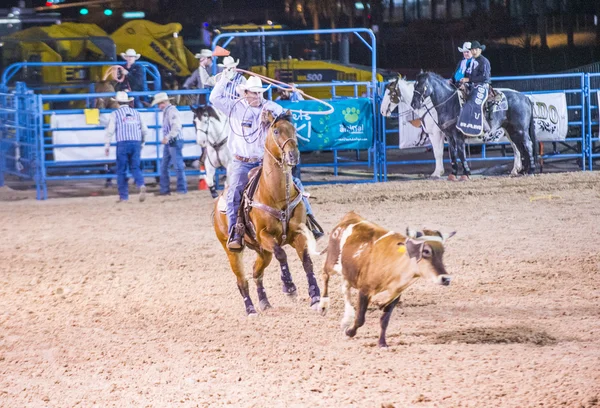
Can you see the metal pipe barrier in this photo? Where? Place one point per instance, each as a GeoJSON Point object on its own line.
{"type": "Point", "coordinates": [64, 169]}
{"type": "Point", "coordinates": [576, 95]}
{"type": "Point", "coordinates": [19, 142]}
{"type": "Point", "coordinates": [373, 153]}
{"type": "Point", "coordinates": [592, 87]}
{"type": "Point", "coordinates": [148, 68]}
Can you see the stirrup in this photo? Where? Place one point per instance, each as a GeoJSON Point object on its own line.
{"type": "Point", "coordinates": [314, 226]}
{"type": "Point", "coordinates": [235, 243]}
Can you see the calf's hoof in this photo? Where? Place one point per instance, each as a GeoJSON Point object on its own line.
{"type": "Point", "coordinates": [464, 177]}
{"type": "Point", "coordinates": [350, 332]}
{"type": "Point", "coordinates": [451, 177]}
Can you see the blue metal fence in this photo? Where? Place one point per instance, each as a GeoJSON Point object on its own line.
{"type": "Point", "coordinates": [55, 170]}
{"type": "Point", "coordinates": [592, 84]}
{"type": "Point", "coordinates": [150, 70]}
{"type": "Point", "coordinates": [20, 152]}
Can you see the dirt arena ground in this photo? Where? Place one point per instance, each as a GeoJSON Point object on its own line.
{"type": "Point", "coordinates": [118, 305]}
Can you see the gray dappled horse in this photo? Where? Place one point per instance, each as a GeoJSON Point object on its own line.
{"type": "Point", "coordinates": [516, 120]}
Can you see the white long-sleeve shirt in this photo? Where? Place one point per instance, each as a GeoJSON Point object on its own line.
{"type": "Point", "coordinates": [248, 134]}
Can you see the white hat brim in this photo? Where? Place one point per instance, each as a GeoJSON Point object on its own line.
{"type": "Point", "coordinates": [137, 56]}
{"type": "Point", "coordinates": [156, 102]}
{"type": "Point", "coordinates": [235, 64]}
{"type": "Point", "coordinates": [255, 88]}
{"type": "Point", "coordinates": [122, 101]}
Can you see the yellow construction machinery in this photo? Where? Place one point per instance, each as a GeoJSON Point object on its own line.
{"type": "Point", "coordinates": [156, 43]}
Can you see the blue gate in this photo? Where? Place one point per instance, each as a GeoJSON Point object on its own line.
{"type": "Point", "coordinates": [20, 130]}
{"type": "Point", "coordinates": [592, 83]}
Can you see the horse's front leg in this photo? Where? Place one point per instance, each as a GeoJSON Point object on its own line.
{"type": "Point", "coordinates": [460, 147]}
{"type": "Point", "coordinates": [268, 243]}
{"type": "Point", "coordinates": [437, 142]}
{"type": "Point", "coordinates": [262, 261]}
{"type": "Point", "coordinates": [301, 246]}
{"type": "Point", "coordinates": [453, 158]}
{"type": "Point", "coordinates": [210, 177]}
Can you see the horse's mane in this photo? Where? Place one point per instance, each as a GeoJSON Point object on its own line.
{"type": "Point", "coordinates": [437, 78]}
{"type": "Point", "coordinates": [287, 116]}
{"type": "Point", "coordinates": [212, 112]}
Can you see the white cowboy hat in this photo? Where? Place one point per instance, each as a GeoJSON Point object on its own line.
{"type": "Point", "coordinates": [130, 53]}
{"type": "Point", "coordinates": [160, 97]}
{"type": "Point", "coordinates": [204, 54]}
{"type": "Point", "coordinates": [466, 47]}
{"type": "Point", "coordinates": [229, 62]}
{"type": "Point", "coordinates": [254, 84]}
{"type": "Point", "coordinates": [122, 97]}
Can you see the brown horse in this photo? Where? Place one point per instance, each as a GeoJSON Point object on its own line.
{"type": "Point", "coordinates": [105, 103]}
{"type": "Point", "coordinates": [278, 216]}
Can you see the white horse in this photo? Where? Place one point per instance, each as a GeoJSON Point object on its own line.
{"type": "Point", "coordinates": [399, 90]}
{"type": "Point", "coordinates": [212, 129]}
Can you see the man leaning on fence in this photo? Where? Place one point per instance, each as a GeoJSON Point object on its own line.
{"type": "Point", "coordinates": [173, 141]}
{"type": "Point", "coordinates": [130, 131]}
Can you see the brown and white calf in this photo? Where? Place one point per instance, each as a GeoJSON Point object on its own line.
{"type": "Point", "coordinates": [380, 264]}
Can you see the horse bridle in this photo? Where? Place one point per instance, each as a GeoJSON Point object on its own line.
{"type": "Point", "coordinates": [279, 162]}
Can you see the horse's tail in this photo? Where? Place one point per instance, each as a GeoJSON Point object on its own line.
{"type": "Point", "coordinates": [310, 241]}
{"type": "Point", "coordinates": [533, 137]}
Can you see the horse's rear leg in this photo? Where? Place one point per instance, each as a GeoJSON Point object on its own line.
{"type": "Point", "coordinates": [301, 246]}
{"type": "Point", "coordinates": [262, 261]}
{"type": "Point", "coordinates": [237, 265]}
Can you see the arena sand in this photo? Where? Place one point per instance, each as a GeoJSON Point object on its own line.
{"type": "Point", "coordinates": [134, 305]}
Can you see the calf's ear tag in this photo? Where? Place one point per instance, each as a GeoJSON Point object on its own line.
{"type": "Point", "coordinates": [402, 249]}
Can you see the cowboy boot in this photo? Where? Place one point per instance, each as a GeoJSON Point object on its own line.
{"type": "Point", "coordinates": [213, 192]}
{"type": "Point", "coordinates": [314, 226]}
{"type": "Point", "coordinates": [236, 238]}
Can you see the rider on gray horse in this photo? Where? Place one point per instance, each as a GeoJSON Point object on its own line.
{"type": "Point", "coordinates": [477, 79]}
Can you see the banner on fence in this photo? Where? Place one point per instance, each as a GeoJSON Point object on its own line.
{"type": "Point", "coordinates": [350, 126]}
{"type": "Point", "coordinates": [93, 136]}
{"type": "Point", "coordinates": [550, 118]}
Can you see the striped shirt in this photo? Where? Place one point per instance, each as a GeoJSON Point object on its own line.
{"type": "Point", "coordinates": [127, 124]}
{"type": "Point", "coordinates": [172, 123]}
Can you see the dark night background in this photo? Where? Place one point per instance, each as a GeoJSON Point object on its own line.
{"type": "Point", "coordinates": [523, 36]}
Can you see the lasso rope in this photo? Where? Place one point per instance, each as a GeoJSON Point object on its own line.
{"type": "Point", "coordinates": [287, 87]}
{"type": "Point", "coordinates": [114, 72]}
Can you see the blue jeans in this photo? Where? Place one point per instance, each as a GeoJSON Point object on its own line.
{"type": "Point", "coordinates": [173, 154]}
{"type": "Point", "coordinates": [128, 154]}
{"type": "Point", "coordinates": [238, 178]}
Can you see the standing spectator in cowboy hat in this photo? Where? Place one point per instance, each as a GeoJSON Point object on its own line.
{"type": "Point", "coordinates": [234, 78]}
{"type": "Point", "coordinates": [173, 141]}
{"type": "Point", "coordinates": [200, 78]}
{"type": "Point", "coordinates": [131, 132]}
{"type": "Point", "coordinates": [134, 75]}
{"type": "Point", "coordinates": [464, 64]}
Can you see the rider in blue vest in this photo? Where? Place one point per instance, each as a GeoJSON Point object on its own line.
{"type": "Point", "coordinates": [464, 64]}
{"type": "Point", "coordinates": [477, 79]}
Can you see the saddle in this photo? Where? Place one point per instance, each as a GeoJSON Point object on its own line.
{"type": "Point", "coordinates": [247, 204]}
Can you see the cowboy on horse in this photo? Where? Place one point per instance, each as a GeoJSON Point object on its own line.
{"type": "Point", "coordinates": [247, 145]}
{"type": "Point", "coordinates": [477, 79]}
